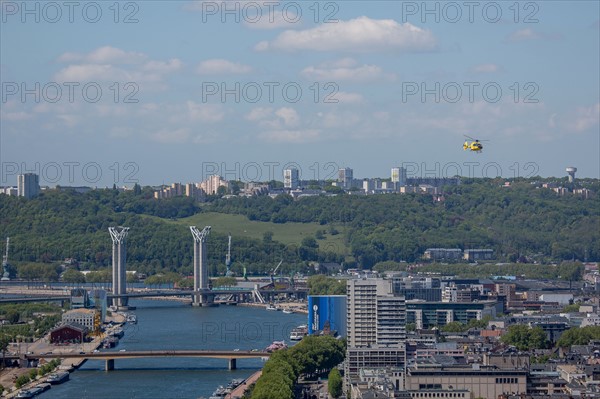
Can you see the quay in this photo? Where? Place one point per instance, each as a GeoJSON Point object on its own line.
{"type": "Point", "coordinates": [238, 392]}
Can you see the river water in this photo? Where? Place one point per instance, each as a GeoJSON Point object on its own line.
{"type": "Point", "coordinates": [171, 325]}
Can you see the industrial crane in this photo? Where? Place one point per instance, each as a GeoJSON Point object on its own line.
{"type": "Point", "coordinates": [228, 258]}
{"type": "Point", "coordinates": [275, 271]}
{"type": "Point", "coordinates": [6, 275]}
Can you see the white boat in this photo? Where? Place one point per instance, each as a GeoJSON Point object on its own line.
{"type": "Point", "coordinates": [298, 333]}
{"type": "Point", "coordinates": [272, 307]}
{"type": "Point", "coordinates": [288, 311]}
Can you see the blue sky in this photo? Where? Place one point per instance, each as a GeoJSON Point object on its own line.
{"type": "Point", "coordinates": [188, 88]}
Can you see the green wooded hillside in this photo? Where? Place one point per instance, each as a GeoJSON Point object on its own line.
{"type": "Point", "coordinates": [519, 222]}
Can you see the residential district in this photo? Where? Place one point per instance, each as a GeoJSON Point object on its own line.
{"type": "Point", "coordinates": [411, 335]}
{"type": "Point", "coordinates": [416, 336]}
{"type": "Point", "coordinates": [400, 181]}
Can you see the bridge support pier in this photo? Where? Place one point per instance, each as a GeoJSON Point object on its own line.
{"type": "Point", "coordinates": [232, 364]}
{"type": "Point", "coordinates": [109, 365]}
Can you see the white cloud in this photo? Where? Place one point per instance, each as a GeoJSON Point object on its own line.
{"type": "Point", "coordinates": [358, 35]}
{"type": "Point", "coordinates": [282, 118]}
{"type": "Point", "coordinates": [259, 113]}
{"type": "Point", "coordinates": [91, 72]}
{"type": "Point", "coordinates": [288, 115]}
{"type": "Point", "coordinates": [530, 34]}
{"type": "Point", "coordinates": [105, 55]}
{"type": "Point", "coordinates": [221, 66]}
{"type": "Point", "coordinates": [349, 72]}
{"type": "Point", "coordinates": [69, 120]}
{"type": "Point", "coordinates": [486, 68]}
{"type": "Point", "coordinates": [110, 64]}
{"type": "Point", "coordinates": [204, 112]}
{"type": "Point", "coordinates": [344, 97]}
{"type": "Point", "coordinates": [586, 118]}
{"type": "Point", "coordinates": [291, 136]}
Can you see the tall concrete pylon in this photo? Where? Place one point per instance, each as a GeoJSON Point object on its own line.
{"type": "Point", "coordinates": [200, 266]}
{"type": "Point", "coordinates": [119, 275]}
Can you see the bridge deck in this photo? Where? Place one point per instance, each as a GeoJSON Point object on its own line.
{"type": "Point", "coordinates": [150, 354]}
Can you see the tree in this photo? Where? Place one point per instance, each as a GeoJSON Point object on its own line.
{"type": "Point", "coordinates": [454, 327]}
{"type": "Point", "coordinates": [225, 281]}
{"type": "Point", "coordinates": [573, 308]}
{"type": "Point", "coordinates": [525, 338]}
{"type": "Point", "coordinates": [73, 276]}
{"type": "Point", "coordinates": [101, 276]}
{"type": "Point", "coordinates": [334, 383]}
{"type": "Point", "coordinates": [267, 237]}
{"type": "Point", "coordinates": [320, 284]}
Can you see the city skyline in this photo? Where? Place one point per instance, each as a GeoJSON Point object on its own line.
{"type": "Point", "coordinates": [297, 84]}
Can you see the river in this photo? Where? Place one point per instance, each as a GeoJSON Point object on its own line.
{"type": "Point", "coordinates": [171, 325]}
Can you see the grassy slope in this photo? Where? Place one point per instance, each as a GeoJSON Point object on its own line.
{"type": "Point", "coordinates": [286, 233]}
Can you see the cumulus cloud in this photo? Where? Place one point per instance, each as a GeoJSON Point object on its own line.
{"type": "Point", "coordinates": [105, 55]}
{"type": "Point", "coordinates": [586, 118]}
{"type": "Point", "coordinates": [346, 70]}
{"type": "Point", "coordinates": [88, 72]}
{"type": "Point", "coordinates": [111, 64]}
{"type": "Point", "coordinates": [204, 112]}
{"type": "Point", "coordinates": [359, 35]}
{"type": "Point", "coordinates": [282, 118]}
{"type": "Point", "coordinates": [530, 34]}
{"type": "Point", "coordinates": [288, 115]}
{"type": "Point", "coordinates": [221, 66]}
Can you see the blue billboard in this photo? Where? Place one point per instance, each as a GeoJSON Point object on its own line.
{"type": "Point", "coordinates": [327, 310]}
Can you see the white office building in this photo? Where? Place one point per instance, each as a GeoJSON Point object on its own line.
{"type": "Point", "coordinates": [399, 176]}
{"type": "Point", "coordinates": [291, 179]}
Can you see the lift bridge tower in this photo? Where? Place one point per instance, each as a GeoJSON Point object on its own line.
{"type": "Point", "coordinates": [201, 266]}
{"type": "Point", "coordinates": [119, 276]}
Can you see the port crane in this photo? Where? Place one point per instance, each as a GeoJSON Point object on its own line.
{"type": "Point", "coordinates": [6, 274]}
{"type": "Point", "coordinates": [228, 258]}
{"type": "Point", "coordinates": [272, 274]}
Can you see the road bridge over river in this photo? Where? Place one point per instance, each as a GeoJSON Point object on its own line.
{"type": "Point", "coordinates": [110, 357]}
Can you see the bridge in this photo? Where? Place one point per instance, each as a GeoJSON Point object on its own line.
{"type": "Point", "coordinates": [110, 357]}
{"type": "Point", "coordinates": [158, 293]}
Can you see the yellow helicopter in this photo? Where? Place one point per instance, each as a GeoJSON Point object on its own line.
{"type": "Point", "coordinates": [474, 145]}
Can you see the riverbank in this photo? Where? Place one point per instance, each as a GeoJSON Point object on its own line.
{"type": "Point", "coordinates": [295, 307]}
{"type": "Point", "coordinates": [239, 391]}
{"type": "Point", "coordinates": [8, 376]}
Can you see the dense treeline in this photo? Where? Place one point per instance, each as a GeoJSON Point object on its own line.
{"type": "Point", "coordinates": [566, 270]}
{"type": "Point", "coordinates": [322, 285]}
{"type": "Point", "coordinates": [65, 224]}
{"type": "Point", "coordinates": [518, 222]}
{"type": "Point", "coordinates": [313, 355]}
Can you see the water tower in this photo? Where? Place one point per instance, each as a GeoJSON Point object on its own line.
{"type": "Point", "coordinates": [571, 171]}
